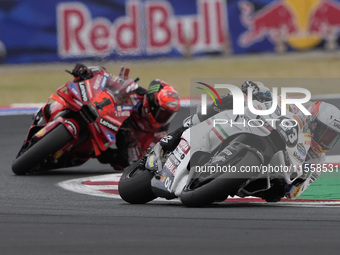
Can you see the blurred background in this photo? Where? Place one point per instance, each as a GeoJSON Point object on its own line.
{"type": "Point", "coordinates": [173, 40]}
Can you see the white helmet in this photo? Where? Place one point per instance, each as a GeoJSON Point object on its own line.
{"type": "Point", "coordinates": [325, 127]}
{"type": "Point", "coordinates": [260, 92]}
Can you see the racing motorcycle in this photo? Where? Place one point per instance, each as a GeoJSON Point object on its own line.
{"type": "Point", "coordinates": [77, 123]}
{"type": "Point", "coordinates": [243, 155]}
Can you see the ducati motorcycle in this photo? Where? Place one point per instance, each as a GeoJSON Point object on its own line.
{"type": "Point", "coordinates": [226, 155]}
{"type": "Point", "coordinates": [77, 123]}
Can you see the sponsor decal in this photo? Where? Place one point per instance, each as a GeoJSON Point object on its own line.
{"type": "Point", "coordinates": [301, 149]}
{"type": "Point", "coordinates": [163, 177]}
{"type": "Point", "coordinates": [268, 105]}
{"type": "Point", "coordinates": [97, 82]}
{"type": "Point", "coordinates": [290, 133]}
{"type": "Point", "coordinates": [218, 158]}
{"type": "Point", "coordinates": [308, 135]}
{"type": "Point", "coordinates": [122, 114]}
{"type": "Point", "coordinates": [108, 124]}
{"type": "Point", "coordinates": [298, 157]}
{"type": "Point", "coordinates": [336, 124]}
{"type": "Point", "coordinates": [133, 86]}
{"type": "Point", "coordinates": [169, 165]}
{"type": "Point", "coordinates": [228, 152]}
{"type": "Point", "coordinates": [58, 154]}
{"type": "Point", "coordinates": [83, 92]}
{"type": "Point", "coordinates": [167, 183]}
{"type": "Point", "coordinates": [124, 108]}
{"type": "Point", "coordinates": [147, 28]}
{"type": "Point", "coordinates": [73, 127]}
{"type": "Point", "coordinates": [151, 162]}
{"type": "Point", "coordinates": [300, 24]}
{"type": "Point", "coordinates": [134, 99]}
{"type": "Point", "coordinates": [41, 132]}
{"type": "Point", "coordinates": [178, 154]}
{"type": "Point", "coordinates": [174, 160]}
{"type": "Point", "coordinates": [104, 81]}
{"type": "Point", "coordinates": [184, 146]}
{"type": "Point", "coordinates": [298, 121]}
{"type": "Point", "coordinates": [296, 191]}
{"type": "Point", "coordinates": [154, 88]}
{"type": "Point", "coordinates": [166, 139]}
{"type": "Point", "coordinates": [110, 136]}
{"type": "Point", "coordinates": [127, 107]}
{"type": "Point", "coordinates": [166, 180]}
{"type": "Point", "coordinates": [74, 89]}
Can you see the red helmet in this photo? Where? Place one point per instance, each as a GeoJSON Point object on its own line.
{"type": "Point", "coordinates": [161, 102]}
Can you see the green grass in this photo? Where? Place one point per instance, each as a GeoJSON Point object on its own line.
{"type": "Point", "coordinates": [34, 83]}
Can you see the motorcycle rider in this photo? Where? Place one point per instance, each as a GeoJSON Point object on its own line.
{"type": "Point", "coordinates": [153, 109]}
{"type": "Point", "coordinates": [323, 125]}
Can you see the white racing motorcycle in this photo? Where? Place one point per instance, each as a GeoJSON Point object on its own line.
{"type": "Point", "coordinates": [226, 155]}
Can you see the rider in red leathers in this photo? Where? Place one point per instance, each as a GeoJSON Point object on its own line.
{"type": "Point", "coordinates": [152, 111]}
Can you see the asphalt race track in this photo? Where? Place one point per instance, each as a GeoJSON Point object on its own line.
{"type": "Point", "coordinates": [38, 217]}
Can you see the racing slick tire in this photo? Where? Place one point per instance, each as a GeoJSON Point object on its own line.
{"type": "Point", "coordinates": [135, 185]}
{"type": "Point", "coordinates": [49, 144]}
{"type": "Point", "coordinates": [218, 189]}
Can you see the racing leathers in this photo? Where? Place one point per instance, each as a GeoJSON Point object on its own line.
{"type": "Point", "coordinates": [134, 136]}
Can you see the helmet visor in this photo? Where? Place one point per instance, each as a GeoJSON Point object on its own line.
{"type": "Point", "coordinates": [325, 136]}
{"type": "Point", "coordinates": [163, 116]}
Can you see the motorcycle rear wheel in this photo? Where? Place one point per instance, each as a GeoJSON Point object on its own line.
{"type": "Point", "coordinates": [221, 187]}
{"type": "Point", "coordinates": [135, 185]}
{"type": "Point", "coordinates": [36, 154]}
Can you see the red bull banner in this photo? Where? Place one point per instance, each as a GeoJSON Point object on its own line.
{"type": "Point", "coordinates": [146, 28]}
{"type": "Point", "coordinates": [57, 30]}
{"type": "Point", "coordinates": [283, 25]}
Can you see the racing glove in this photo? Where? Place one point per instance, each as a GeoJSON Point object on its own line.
{"type": "Point", "coordinates": [169, 142]}
{"type": "Point", "coordinates": [80, 73]}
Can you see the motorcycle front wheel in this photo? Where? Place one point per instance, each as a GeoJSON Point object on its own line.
{"type": "Point", "coordinates": [135, 185]}
{"type": "Point", "coordinates": [49, 144]}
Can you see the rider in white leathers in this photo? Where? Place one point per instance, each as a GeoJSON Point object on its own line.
{"type": "Point", "coordinates": [323, 124]}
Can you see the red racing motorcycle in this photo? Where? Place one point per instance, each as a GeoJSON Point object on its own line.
{"type": "Point", "coordinates": [77, 123]}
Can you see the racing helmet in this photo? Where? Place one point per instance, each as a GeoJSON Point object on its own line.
{"type": "Point", "coordinates": [325, 127]}
{"type": "Point", "coordinates": [260, 92]}
{"type": "Point", "coordinates": [161, 102]}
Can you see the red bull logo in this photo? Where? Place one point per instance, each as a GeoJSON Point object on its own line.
{"type": "Point", "coordinates": [325, 22]}
{"type": "Point", "coordinates": [148, 27]}
{"type": "Point", "coordinates": [299, 24]}
{"type": "Point", "coordinates": [325, 18]}
{"type": "Point", "coordinates": [275, 20]}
